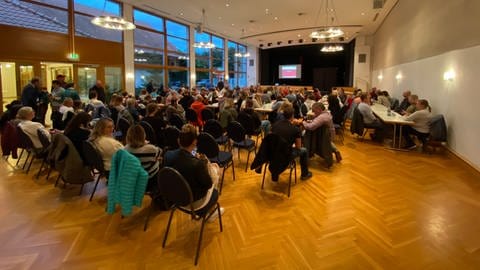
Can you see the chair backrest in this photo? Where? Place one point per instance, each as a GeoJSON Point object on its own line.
{"type": "Point", "coordinates": [174, 188]}
{"type": "Point", "coordinates": [93, 158]}
{"type": "Point", "coordinates": [214, 128]}
{"type": "Point", "coordinates": [57, 121]}
{"type": "Point", "coordinates": [123, 125]}
{"type": "Point", "coordinates": [69, 117]}
{"type": "Point", "coordinates": [207, 114]}
{"type": "Point", "coordinates": [176, 121]}
{"type": "Point", "coordinates": [191, 115]}
{"type": "Point", "coordinates": [149, 132]}
{"type": "Point", "coordinates": [207, 145]}
{"type": "Point", "coordinates": [236, 132]}
{"type": "Point", "coordinates": [247, 123]}
{"type": "Point", "coordinates": [171, 137]}
{"type": "Point", "coordinates": [24, 141]}
{"type": "Point", "coordinates": [438, 128]}
{"type": "Point", "coordinates": [43, 139]}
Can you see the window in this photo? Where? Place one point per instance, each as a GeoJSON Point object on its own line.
{"type": "Point", "coordinates": [45, 18]}
{"type": "Point", "coordinates": [148, 39]}
{"type": "Point", "coordinates": [113, 80]}
{"type": "Point", "coordinates": [148, 56]}
{"type": "Point", "coordinates": [144, 75]}
{"type": "Point", "coordinates": [209, 60]}
{"type": "Point", "coordinates": [237, 66]}
{"type": "Point", "coordinates": [148, 20]}
{"type": "Point", "coordinates": [177, 78]}
{"type": "Point", "coordinates": [85, 10]}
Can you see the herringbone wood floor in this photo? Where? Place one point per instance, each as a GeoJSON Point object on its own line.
{"type": "Point", "coordinates": [378, 209]}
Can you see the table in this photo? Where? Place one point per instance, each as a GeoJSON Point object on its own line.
{"type": "Point", "coordinates": [391, 118]}
{"type": "Point", "coordinates": [266, 108]}
{"type": "Point", "coordinates": [213, 106]}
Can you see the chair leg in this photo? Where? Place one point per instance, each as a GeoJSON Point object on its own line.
{"type": "Point", "coordinates": [19, 157]}
{"type": "Point", "coordinates": [95, 187]}
{"type": "Point", "coordinates": [30, 164]}
{"type": "Point", "coordinates": [264, 172]}
{"type": "Point", "coordinates": [81, 189]}
{"type": "Point", "coordinates": [233, 170]}
{"type": "Point", "coordinates": [41, 167]}
{"type": "Point", "coordinates": [26, 160]}
{"type": "Point", "coordinates": [221, 179]}
{"type": "Point", "coordinates": [295, 171]}
{"type": "Point", "coordinates": [49, 171]}
{"type": "Point", "coordinates": [246, 164]}
{"type": "Point", "coordinates": [200, 240]}
{"type": "Point", "coordinates": [148, 216]}
{"type": "Point", "coordinates": [168, 227]}
{"type": "Point", "coordinates": [219, 217]}
{"type": "Point", "coordinates": [58, 178]}
{"type": "Point", "coordinates": [290, 181]}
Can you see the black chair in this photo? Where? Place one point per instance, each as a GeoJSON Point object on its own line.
{"type": "Point", "coordinates": [176, 121]}
{"type": "Point", "coordinates": [191, 116]}
{"type": "Point", "coordinates": [214, 128]}
{"type": "Point", "coordinates": [206, 145]}
{"type": "Point", "coordinates": [237, 133]}
{"type": "Point", "coordinates": [248, 123]}
{"type": "Point", "coordinates": [44, 152]}
{"type": "Point", "coordinates": [151, 136]}
{"type": "Point", "coordinates": [69, 117]}
{"type": "Point", "coordinates": [171, 139]}
{"type": "Point", "coordinates": [175, 189]}
{"type": "Point", "coordinates": [207, 114]}
{"type": "Point", "coordinates": [122, 127]}
{"type": "Point", "coordinates": [57, 121]}
{"type": "Point", "coordinates": [93, 159]}
{"type": "Point", "coordinates": [26, 144]}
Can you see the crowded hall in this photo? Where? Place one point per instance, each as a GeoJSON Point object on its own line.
{"type": "Point", "coordinates": [226, 134]}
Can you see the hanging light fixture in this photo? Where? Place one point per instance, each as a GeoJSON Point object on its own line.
{"type": "Point", "coordinates": [112, 22]}
{"type": "Point", "coordinates": [332, 48]}
{"type": "Point", "coordinates": [328, 30]}
{"type": "Point", "coordinates": [199, 29]}
{"type": "Point", "coordinates": [242, 55]}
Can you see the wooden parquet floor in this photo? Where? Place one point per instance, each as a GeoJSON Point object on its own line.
{"type": "Point", "coordinates": [378, 209]}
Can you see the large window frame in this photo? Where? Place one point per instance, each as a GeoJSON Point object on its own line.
{"type": "Point", "coordinates": [237, 65]}
{"type": "Point", "coordinates": [211, 61]}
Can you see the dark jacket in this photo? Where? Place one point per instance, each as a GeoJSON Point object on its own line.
{"type": "Point", "coordinates": [10, 139]}
{"type": "Point", "coordinates": [318, 142]}
{"type": "Point", "coordinates": [275, 151]}
{"type": "Point", "coordinates": [100, 92]}
{"type": "Point", "coordinates": [67, 161]}
{"type": "Point", "coordinates": [438, 128]}
{"type": "Point", "coordinates": [357, 125]}
{"type": "Point", "coordinates": [194, 171]}
{"type": "Point", "coordinates": [30, 95]}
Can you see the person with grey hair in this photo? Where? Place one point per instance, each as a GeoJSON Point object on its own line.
{"type": "Point", "coordinates": [323, 117]}
{"type": "Point", "coordinates": [26, 115]}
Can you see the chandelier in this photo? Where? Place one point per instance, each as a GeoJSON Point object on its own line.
{"type": "Point", "coordinates": [332, 48]}
{"type": "Point", "coordinates": [244, 55]}
{"type": "Point", "coordinates": [199, 29]}
{"type": "Point", "coordinates": [329, 30]}
{"type": "Point", "coordinates": [112, 22]}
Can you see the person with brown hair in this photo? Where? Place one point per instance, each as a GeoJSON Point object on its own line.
{"type": "Point", "coordinates": [148, 154]}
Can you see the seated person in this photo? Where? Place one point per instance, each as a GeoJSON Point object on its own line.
{"type": "Point", "coordinates": [404, 104]}
{"type": "Point", "coordinates": [25, 115]}
{"type": "Point", "coordinates": [421, 117]}
{"type": "Point", "coordinates": [153, 117]}
{"type": "Point", "coordinates": [370, 120]}
{"type": "Point", "coordinates": [412, 99]}
{"type": "Point", "coordinates": [198, 106]}
{"type": "Point", "coordinates": [66, 107]}
{"type": "Point", "coordinates": [102, 138]}
{"type": "Point", "coordinates": [292, 135]}
{"type": "Point", "coordinates": [383, 99]}
{"type": "Point", "coordinates": [193, 169]}
{"type": "Point", "coordinates": [228, 113]}
{"type": "Point", "coordinates": [132, 109]}
{"type": "Point", "coordinates": [323, 117]}
{"type": "Point", "coordinates": [78, 131]}
{"type": "Point", "coordinates": [148, 154]}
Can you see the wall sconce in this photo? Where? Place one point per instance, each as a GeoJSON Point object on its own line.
{"type": "Point", "coordinates": [399, 76]}
{"type": "Point", "coordinates": [193, 76]}
{"type": "Point", "coordinates": [130, 75]}
{"type": "Point", "coordinates": [380, 77]}
{"type": "Point", "coordinates": [449, 75]}
{"type": "Point", "coordinates": [226, 77]}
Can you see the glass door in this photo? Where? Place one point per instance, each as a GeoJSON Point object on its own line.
{"type": "Point", "coordinates": [8, 83]}
{"type": "Point", "coordinates": [113, 81]}
{"type": "Point", "coordinates": [87, 77]}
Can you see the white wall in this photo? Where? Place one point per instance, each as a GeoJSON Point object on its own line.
{"type": "Point", "coordinates": [457, 100]}
{"type": "Point", "coordinates": [361, 71]}
{"type": "Point", "coordinates": [252, 71]}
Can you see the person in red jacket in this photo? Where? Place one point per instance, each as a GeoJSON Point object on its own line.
{"type": "Point", "coordinates": [198, 106]}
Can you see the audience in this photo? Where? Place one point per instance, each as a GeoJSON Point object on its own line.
{"type": "Point", "coordinates": [26, 115]}
{"type": "Point", "coordinates": [148, 154]}
{"type": "Point", "coordinates": [102, 138]}
{"type": "Point", "coordinates": [228, 114]}
{"type": "Point", "coordinates": [405, 102]}
{"type": "Point", "coordinates": [293, 136]}
{"type": "Point", "coordinates": [383, 99]}
{"type": "Point", "coordinates": [412, 99]}
{"type": "Point", "coordinates": [421, 127]}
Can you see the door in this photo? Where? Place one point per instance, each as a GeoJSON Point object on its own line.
{"type": "Point", "coordinates": [8, 83]}
{"type": "Point", "coordinates": [87, 77]}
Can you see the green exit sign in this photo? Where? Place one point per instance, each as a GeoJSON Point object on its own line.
{"type": "Point", "coordinates": [73, 57]}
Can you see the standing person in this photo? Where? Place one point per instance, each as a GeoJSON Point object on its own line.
{"type": "Point", "coordinates": [293, 136]}
{"type": "Point", "coordinates": [70, 92]}
{"type": "Point", "coordinates": [61, 80]}
{"type": "Point", "coordinates": [43, 100]}
{"type": "Point", "coordinates": [323, 117]}
{"type": "Point", "coordinates": [57, 94]}
{"type": "Point", "coordinates": [31, 93]}
{"type": "Point", "coordinates": [149, 87]}
{"type": "Point", "coordinates": [98, 87]}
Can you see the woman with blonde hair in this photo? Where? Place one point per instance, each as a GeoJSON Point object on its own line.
{"type": "Point", "coordinates": [102, 138]}
{"type": "Point", "coordinates": [148, 154]}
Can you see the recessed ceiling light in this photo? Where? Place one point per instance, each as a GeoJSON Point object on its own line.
{"type": "Point", "coordinates": [276, 18]}
{"type": "Point", "coordinates": [266, 11]}
{"type": "Point", "coordinates": [363, 13]}
{"type": "Point", "coordinates": [181, 13]}
{"type": "Point", "coordinates": [227, 4]}
{"type": "Point", "coordinates": [219, 18]}
{"type": "Point", "coordinates": [299, 35]}
{"type": "Point", "coordinates": [233, 24]}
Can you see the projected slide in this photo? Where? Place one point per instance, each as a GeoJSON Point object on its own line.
{"type": "Point", "coordinates": [290, 71]}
